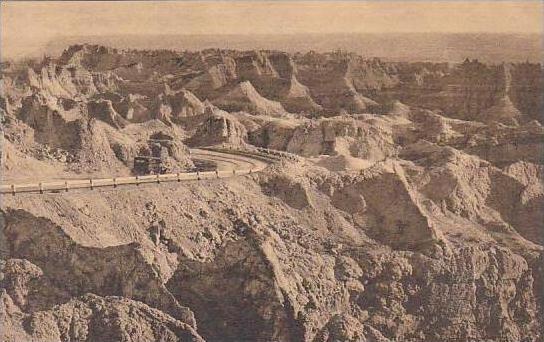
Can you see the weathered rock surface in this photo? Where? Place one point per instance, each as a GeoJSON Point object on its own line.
{"type": "Point", "coordinates": [321, 252]}
{"type": "Point", "coordinates": [413, 213]}
{"type": "Point", "coordinates": [219, 127]}
{"type": "Point", "coordinates": [244, 97]}
{"type": "Point", "coordinates": [93, 318]}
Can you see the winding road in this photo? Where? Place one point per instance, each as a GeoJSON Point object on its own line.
{"type": "Point", "coordinates": [228, 163]}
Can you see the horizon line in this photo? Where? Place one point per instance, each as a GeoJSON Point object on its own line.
{"type": "Point", "coordinates": [297, 33]}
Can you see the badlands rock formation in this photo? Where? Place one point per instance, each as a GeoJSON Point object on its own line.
{"type": "Point", "coordinates": [413, 212]}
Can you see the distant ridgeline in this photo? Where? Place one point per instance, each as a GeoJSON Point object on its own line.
{"type": "Point", "coordinates": [402, 47]}
{"type": "Point", "coordinates": [171, 85]}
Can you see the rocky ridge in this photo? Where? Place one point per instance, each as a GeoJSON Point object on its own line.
{"type": "Point", "coordinates": [414, 212]}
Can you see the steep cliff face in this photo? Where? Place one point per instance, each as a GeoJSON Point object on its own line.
{"type": "Point", "coordinates": [207, 75]}
{"type": "Point", "coordinates": [336, 81]}
{"type": "Point", "coordinates": [475, 91]}
{"type": "Point", "coordinates": [141, 86]}
{"type": "Point", "coordinates": [183, 104]}
{"type": "Point", "coordinates": [497, 143]}
{"type": "Point", "coordinates": [52, 124]}
{"type": "Point", "coordinates": [71, 266]}
{"type": "Point", "coordinates": [387, 207]}
{"type": "Point", "coordinates": [298, 99]}
{"type": "Point", "coordinates": [272, 133]}
{"type": "Point", "coordinates": [219, 127]}
{"type": "Point", "coordinates": [415, 215]}
{"type": "Point", "coordinates": [103, 110]}
{"type": "Point", "coordinates": [478, 86]}
{"type": "Point", "coordinates": [526, 85]}
{"type": "Point", "coordinates": [71, 81]}
{"type": "Point", "coordinates": [244, 97]}
{"type": "Point", "coordinates": [373, 253]}
{"type": "Point", "coordinates": [528, 212]}
{"type": "Point", "coordinates": [78, 319]}
{"type": "Point", "coordinates": [130, 65]}
{"type": "Point", "coordinates": [257, 309]}
{"type": "Point", "coordinates": [362, 137]}
{"type": "Point", "coordinates": [461, 183]}
{"type": "Point", "coordinates": [311, 83]}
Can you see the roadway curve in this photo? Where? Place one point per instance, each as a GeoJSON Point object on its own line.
{"type": "Point", "coordinates": [229, 163]}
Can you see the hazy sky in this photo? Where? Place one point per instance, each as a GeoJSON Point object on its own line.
{"type": "Point", "coordinates": [27, 26]}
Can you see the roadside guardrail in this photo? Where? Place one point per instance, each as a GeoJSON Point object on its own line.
{"type": "Point", "coordinates": [262, 154]}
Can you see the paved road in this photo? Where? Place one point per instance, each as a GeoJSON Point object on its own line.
{"type": "Point", "coordinates": [229, 163]}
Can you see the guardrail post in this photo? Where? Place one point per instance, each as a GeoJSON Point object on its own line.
{"type": "Point", "coordinates": [158, 179]}
{"type": "Point", "coordinates": [137, 180]}
{"type": "Point", "coordinates": [13, 189]}
{"type": "Point", "coordinates": [198, 175]}
{"type": "Point", "coordinates": [216, 174]}
{"type": "Point", "coordinates": [91, 182]}
{"type": "Point", "coordinates": [115, 182]}
{"type": "Point", "coordinates": [41, 187]}
{"type": "Point", "coordinates": [66, 186]}
{"type": "Point", "coordinates": [179, 176]}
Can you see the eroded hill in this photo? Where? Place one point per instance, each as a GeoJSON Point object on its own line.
{"type": "Point", "coordinates": [414, 212]}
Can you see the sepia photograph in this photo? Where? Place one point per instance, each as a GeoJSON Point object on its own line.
{"type": "Point", "coordinates": [272, 171]}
